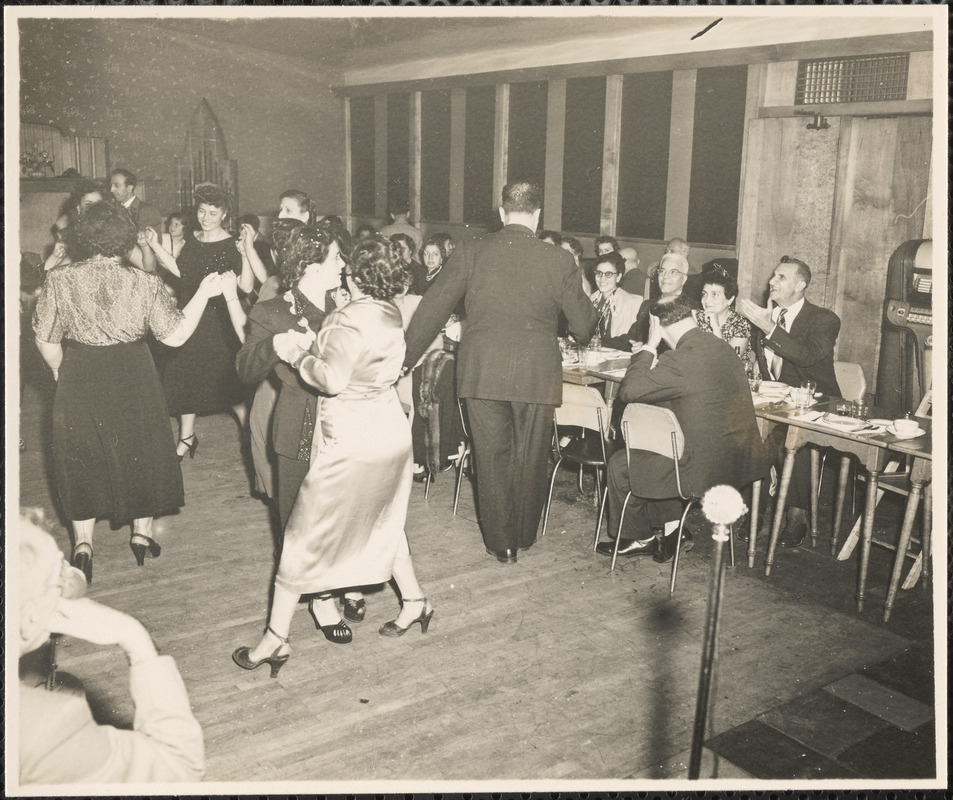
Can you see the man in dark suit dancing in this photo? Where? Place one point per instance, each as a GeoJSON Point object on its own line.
{"type": "Point", "coordinates": [508, 365]}
{"type": "Point", "coordinates": [702, 381]}
{"type": "Point", "coordinates": [795, 344]}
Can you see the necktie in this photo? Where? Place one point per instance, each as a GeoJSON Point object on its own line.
{"type": "Point", "coordinates": [605, 317]}
{"type": "Point", "coordinates": [777, 361]}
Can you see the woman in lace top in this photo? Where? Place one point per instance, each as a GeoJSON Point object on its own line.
{"type": "Point", "coordinates": [113, 455]}
{"type": "Point", "coordinates": [718, 315]}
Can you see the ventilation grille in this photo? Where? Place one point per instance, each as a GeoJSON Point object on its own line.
{"type": "Point", "coordinates": [852, 80]}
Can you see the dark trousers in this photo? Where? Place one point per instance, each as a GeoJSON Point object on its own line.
{"type": "Point", "coordinates": [291, 474]}
{"type": "Point", "coordinates": [511, 442]}
{"type": "Point", "coordinates": [642, 514]}
{"type": "Point", "coordinates": [799, 492]}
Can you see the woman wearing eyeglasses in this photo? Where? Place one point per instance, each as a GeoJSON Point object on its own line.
{"type": "Point", "coordinates": [618, 309]}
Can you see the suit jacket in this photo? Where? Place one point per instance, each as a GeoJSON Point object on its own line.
{"type": "Point", "coordinates": [60, 741]}
{"type": "Point", "coordinates": [257, 358]}
{"type": "Point", "coordinates": [145, 215]}
{"type": "Point", "coordinates": [625, 308]}
{"type": "Point", "coordinates": [703, 382]}
{"type": "Point", "coordinates": [807, 349]}
{"type": "Point", "coordinates": [513, 287]}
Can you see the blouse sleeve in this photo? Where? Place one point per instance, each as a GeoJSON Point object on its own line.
{"type": "Point", "coordinates": [164, 315]}
{"type": "Point", "coordinates": [47, 322]}
{"type": "Point", "coordinates": [333, 358]}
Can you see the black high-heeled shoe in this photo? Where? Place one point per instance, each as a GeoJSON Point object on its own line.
{"type": "Point", "coordinates": [275, 661]}
{"type": "Point", "coordinates": [141, 548]}
{"type": "Point", "coordinates": [83, 560]}
{"type": "Point", "coordinates": [393, 629]}
{"type": "Point", "coordinates": [190, 448]}
{"type": "Point", "coordinates": [339, 633]}
{"type": "Point", "coordinates": [355, 610]}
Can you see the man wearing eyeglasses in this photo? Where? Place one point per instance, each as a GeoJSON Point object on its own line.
{"type": "Point", "coordinates": [795, 344]}
{"type": "Point", "coordinates": [672, 273]}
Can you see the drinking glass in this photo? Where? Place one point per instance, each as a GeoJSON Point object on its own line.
{"type": "Point", "coordinates": [582, 351]}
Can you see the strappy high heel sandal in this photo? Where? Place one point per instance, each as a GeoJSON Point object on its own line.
{"type": "Point", "coordinates": [355, 610]}
{"type": "Point", "coordinates": [190, 447]}
{"type": "Point", "coordinates": [142, 545]}
{"type": "Point", "coordinates": [393, 629]}
{"type": "Point", "coordinates": [339, 633]}
{"type": "Point", "coordinates": [275, 661]}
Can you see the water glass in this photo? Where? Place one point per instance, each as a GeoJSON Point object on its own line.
{"type": "Point", "coordinates": [810, 385]}
{"type": "Point", "coordinates": [754, 384]}
{"type": "Point", "coordinates": [859, 410]}
{"type": "Point", "coordinates": [845, 408]}
{"type": "Point", "coordinates": [802, 397]}
{"type": "Point", "coordinates": [582, 352]}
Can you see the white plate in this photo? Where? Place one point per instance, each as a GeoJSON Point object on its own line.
{"type": "Point", "coordinates": [884, 423]}
{"type": "Point", "coordinates": [892, 432]}
{"type": "Point", "coordinates": [774, 386]}
{"type": "Point", "coordinates": [843, 422]}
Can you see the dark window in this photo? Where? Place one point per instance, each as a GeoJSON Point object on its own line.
{"type": "Point", "coordinates": [435, 155]}
{"type": "Point", "coordinates": [362, 156]}
{"type": "Point", "coordinates": [582, 156]}
{"type": "Point", "coordinates": [478, 205]}
{"type": "Point", "coordinates": [643, 154]}
{"type": "Point", "coordinates": [719, 131]}
{"type": "Point", "coordinates": [398, 148]}
{"type": "Point", "coordinates": [527, 142]}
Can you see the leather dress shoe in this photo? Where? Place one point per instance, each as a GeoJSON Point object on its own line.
{"type": "Point", "coordinates": [666, 548]}
{"type": "Point", "coordinates": [629, 547]}
{"type": "Point", "coordinates": [507, 556]}
{"type": "Point", "coordinates": [792, 534]}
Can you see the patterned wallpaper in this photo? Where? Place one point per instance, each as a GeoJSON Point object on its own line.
{"type": "Point", "coordinates": [137, 86]}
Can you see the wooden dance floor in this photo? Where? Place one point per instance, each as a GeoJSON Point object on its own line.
{"type": "Point", "coordinates": [553, 669]}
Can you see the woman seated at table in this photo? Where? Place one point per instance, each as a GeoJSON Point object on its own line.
{"type": "Point", "coordinates": [617, 308]}
{"type": "Point", "coordinates": [718, 315]}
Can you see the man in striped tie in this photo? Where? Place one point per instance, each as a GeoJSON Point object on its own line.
{"type": "Point", "coordinates": [795, 344]}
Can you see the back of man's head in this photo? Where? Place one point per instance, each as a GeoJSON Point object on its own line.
{"type": "Point", "coordinates": [670, 310]}
{"type": "Point", "coordinates": [679, 246]}
{"type": "Point", "coordinates": [631, 257]}
{"type": "Point", "coordinates": [398, 207]}
{"type": "Point", "coordinates": [521, 197]}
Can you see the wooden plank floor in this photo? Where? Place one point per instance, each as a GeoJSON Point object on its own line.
{"type": "Point", "coordinates": [553, 669]}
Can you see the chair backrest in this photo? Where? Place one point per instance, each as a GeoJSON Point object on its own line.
{"type": "Point", "coordinates": [656, 430]}
{"type": "Point", "coordinates": [851, 380]}
{"type": "Point", "coordinates": [650, 428]}
{"type": "Point", "coordinates": [583, 407]}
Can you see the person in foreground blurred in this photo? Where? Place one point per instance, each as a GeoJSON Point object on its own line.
{"type": "Point", "coordinates": [702, 382]}
{"type": "Point", "coordinates": [508, 370]}
{"type": "Point", "coordinates": [347, 525]}
{"type": "Point", "coordinates": [59, 740]}
{"type": "Point", "coordinates": [112, 452]}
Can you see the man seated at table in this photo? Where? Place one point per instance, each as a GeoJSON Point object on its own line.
{"type": "Point", "coordinates": [702, 381]}
{"type": "Point", "coordinates": [671, 275]}
{"type": "Point", "coordinates": [793, 340]}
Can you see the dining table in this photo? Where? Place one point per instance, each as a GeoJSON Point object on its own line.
{"type": "Point", "coordinates": [820, 425]}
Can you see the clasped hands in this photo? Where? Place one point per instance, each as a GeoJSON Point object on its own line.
{"type": "Point", "coordinates": [219, 283]}
{"type": "Point", "coordinates": [290, 346]}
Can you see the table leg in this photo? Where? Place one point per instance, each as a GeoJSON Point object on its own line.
{"type": "Point", "coordinates": [851, 541]}
{"type": "Point", "coordinates": [753, 521]}
{"type": "Point", "coordinates": [926, 538]}
{"type": "Point", "coordinates": [866, 534]}
{"type": "Point", "coordinates": [815, 479]}
{"type": "Point", "coordinates": [839, 501]}
{"type": "Point", "coordinates": [786, 472]}
{"type": "Point", "coordinates": [913, 500]}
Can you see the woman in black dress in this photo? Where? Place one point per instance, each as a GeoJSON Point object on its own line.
{"type": "Point", "coordinates": [200, 377]}
{"type": "Point", "coordinates": [112, 453]}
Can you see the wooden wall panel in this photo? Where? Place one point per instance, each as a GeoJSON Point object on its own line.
{"type": "Point", "coordinates": [881, 206]}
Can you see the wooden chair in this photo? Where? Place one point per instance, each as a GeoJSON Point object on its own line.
{"type": "Point", "coordinates": [656, 430]}
{"type": "Point", "coordinates": [582, 407]}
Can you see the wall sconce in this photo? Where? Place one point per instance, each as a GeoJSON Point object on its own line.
{"type": "Point", "coordinates": [819, 124]}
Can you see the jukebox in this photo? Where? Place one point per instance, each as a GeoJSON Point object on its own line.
{"type": "Point", "coordinates": [904, 374]}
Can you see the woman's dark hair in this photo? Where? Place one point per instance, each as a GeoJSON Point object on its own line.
{"type": "Point", "coordinates": [304, 201]}
{"type": "Point", "coordinates": [719, 277]}
{"type": "Point", "coordinates": [364, 231]}
{"type": "Point", "coordinates": [613, 258]}
{"type": "Point", "coordinates": [212, 195]}
{"type": "Point", "coordinates": [574, 245]}
{"type": "Point", "coordinates": [104, 229]}
{"type": "Point", "coordinates": [305, 246]}
{"type": "Point", "coordinates": [439, 243]}
{"type": "Point", "coordinates": [281, 230]}
{"type": "Point", "coordinates": [556, 237]}
{"type": "Point", "coordinates": [403, 237]}
{"type": "Point", "coordinates": [376, 268]}
{"type": "Point", "coordinates": [181, 216]}
{"type": "Point", "coordinates": [609, 240]}
{"type": "Point", "coordinates": [335, 225]}
{"type": "Point", "coordinates": [443, 238]}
